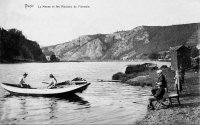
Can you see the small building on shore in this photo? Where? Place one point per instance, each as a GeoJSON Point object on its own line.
{"type": "Point", "coordinates": [180, 57]}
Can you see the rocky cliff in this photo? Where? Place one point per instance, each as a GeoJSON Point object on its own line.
{"type": "Point", "coordinates": [137, 43]}
{"type": "Point", "coordinates": [14, 47]}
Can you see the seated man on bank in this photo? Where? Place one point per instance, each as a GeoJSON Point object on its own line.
{"type": "Point", "coordinates": [159, 91]}
{"type": "Point", "coordinates": [157, 96]}
{"type": "Point", "coordinates": [160, 83]}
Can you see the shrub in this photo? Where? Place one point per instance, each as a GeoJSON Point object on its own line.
{"type": "Point", "coordinates": [53, 58]}
{"type": "Point", "coordinates": [194, 52]}
{"type": "Point", "coordinates": [153, 56]}
{"type": "Point", "coordinates": [163, 66]}
{"type": "Point", "coordinates": [134, 68]}
{"type": "Point", "coordinates": [118, 76]}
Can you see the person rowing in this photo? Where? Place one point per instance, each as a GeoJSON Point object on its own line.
{"type": "Point", "coordinates": [52, 83]}
{"type": "Point", "coordinates": [22, 81]}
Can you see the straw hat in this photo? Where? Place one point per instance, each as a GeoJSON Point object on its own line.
{"type": "Point", "coordinates": [159, 71]}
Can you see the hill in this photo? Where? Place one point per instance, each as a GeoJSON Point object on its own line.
{"type": "Point", "coordinates": [138, 43]}
{"type": "Point", "coordinates": [14, 47]}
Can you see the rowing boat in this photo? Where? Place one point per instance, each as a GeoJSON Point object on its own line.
{"type": "Point", "coordinates": [67, 89]}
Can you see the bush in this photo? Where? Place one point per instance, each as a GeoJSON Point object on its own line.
{"type": "Point", "coordinates": [118, 76]}
{"type": "Point", "coordinates": [53, 58]}
{"type": "Point", "coordinates": [153, 56]}
{"type": "Point", "coordinates": [154, 68]}
{"type": "Point", "coordinates": [163, 66]}
{"type": "Point", "coordinates": [134, 69]}
{"type": "Point", "coordinates": [194, 52]}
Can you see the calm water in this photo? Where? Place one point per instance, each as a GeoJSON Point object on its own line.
{"type": "Point", "coordinates": [100, 103]}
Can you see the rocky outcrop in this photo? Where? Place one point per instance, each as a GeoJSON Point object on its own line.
{"type": "Point", "coordinates": [137, 43]}
{"type": "Point", "coordinates": [140, 68]}
{"type": "Point", "coordinates": [133, 71]}
{"type": "Point", "coordinates": [14, 47]}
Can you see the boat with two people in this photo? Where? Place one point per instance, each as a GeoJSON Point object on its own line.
{"type": "Point", "coordinates": [62, 88]}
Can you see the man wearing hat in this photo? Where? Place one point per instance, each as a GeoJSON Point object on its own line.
{"type": "Point", "coordinates": [159, 91]}
{"type": "Point", "coordinates": [160, 83]}
{"type": "Point", "coordinates": [22, 81]}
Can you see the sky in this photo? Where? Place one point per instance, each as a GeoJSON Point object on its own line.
{"type": "Point", "coordinates": [51, 22]}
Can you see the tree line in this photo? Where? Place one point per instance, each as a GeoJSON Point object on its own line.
{"type": "Point", "coordinates": [14, 46]}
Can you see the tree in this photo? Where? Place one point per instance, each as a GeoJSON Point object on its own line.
{"type": "Point", "coordinates": [53, 58]}
{"type": "Point", "coordinates": [14, 47]}
{"type": "Point", "coordinates": [153, 55]}
{"type": "Point", "coordinates": [194, 52]}
{"type": "Point", "coordinates": [16, 32]}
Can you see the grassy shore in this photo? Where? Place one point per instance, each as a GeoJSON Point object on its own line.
{"type": "Point", "coordinates": [185, 114]}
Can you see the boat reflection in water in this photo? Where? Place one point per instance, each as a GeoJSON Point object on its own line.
{"type": "Point", "coordinates": [41, 110]}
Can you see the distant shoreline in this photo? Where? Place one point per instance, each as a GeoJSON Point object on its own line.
{"type": "Point", "coordinates": [26, 61]}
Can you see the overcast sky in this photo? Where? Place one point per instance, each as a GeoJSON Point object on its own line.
{"type": "Point", "coordinates": [49, 26]}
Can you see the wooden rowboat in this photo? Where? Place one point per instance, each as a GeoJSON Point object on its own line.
{"type": "Point", "coordinates": [67, 89]}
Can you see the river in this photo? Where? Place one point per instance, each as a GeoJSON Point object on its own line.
{"type": "Point", "coordinates": [100, 103]}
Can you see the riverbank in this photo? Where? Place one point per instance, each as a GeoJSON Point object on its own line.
{"type": "Point", "coordinates": [187, 113]}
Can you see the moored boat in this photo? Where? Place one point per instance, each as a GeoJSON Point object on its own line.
{"type": "Point", "coordinates": [59, 91]}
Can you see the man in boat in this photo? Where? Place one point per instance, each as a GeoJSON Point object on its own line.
{"type": "Point", "coordinates": [53, 82]}
{"type": "Point", "coordinates": [159, 91]}
{"type": "Point", "coordinates": [22, 81]}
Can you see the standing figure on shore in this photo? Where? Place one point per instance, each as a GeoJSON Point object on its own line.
{"type": "Point", "coordinates": [22, 81]}
{"type": "Point", "coordinates": [159, 91]}
{"type": "Point", "coordinates": [178, 84]}
{"type": "Point", "coordinates": [53, 82]}
{"type": "Point", "coordinates": [182, 74]}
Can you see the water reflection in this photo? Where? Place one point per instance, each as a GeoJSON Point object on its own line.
{"type": "Point", "coordinates": [74, 98]}
{"type": "Point", "coordinates": [23, 108]}
{"type": "Point", "coordinates": [28, 109]}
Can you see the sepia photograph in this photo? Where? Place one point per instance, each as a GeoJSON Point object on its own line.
{"type": "Point", "coordinates": [99, 62]}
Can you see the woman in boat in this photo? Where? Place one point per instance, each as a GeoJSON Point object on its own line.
{"type": "Point", "coordinates": [22, 81]}
{"type": "Point", "coordinates": [53, 82]}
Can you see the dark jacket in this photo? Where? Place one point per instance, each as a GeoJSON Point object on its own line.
{"type": "Point", "coordinates": [160, 93]}
{"type": "Point", "coordinates": [162, 79]}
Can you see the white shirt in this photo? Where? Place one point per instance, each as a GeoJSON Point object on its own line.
{"type": "Point", "coordinates": [53, 81]}
{"type": "Point", "coordinates": [22, 80]}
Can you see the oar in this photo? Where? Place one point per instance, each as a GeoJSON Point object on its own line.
{"type": "Point", "coordinates": [45, 82]}
{"type": "Point", "coordinates": [105, 80]}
